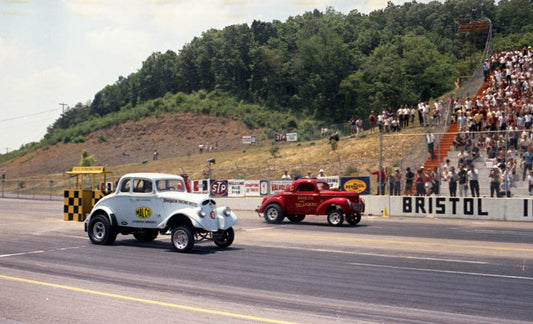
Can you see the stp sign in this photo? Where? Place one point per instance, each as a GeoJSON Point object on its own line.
{"type": "Point", "coordinates": [219, 188]}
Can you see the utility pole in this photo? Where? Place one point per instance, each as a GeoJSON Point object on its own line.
{"type": "Point", "coordinates": [63, 106]}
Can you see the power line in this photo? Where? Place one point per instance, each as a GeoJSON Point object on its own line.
{"type": "Point", "coordinates": [25, 116]}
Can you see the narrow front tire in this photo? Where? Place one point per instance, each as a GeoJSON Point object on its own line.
{"type": "Point", "coordinates": [224, 238]}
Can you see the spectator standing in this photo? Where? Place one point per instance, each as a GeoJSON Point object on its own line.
{"type": "Point", "coordinates": [397, 182]}
{"type": "Point", "coordinates": [359, 127]}
{"type": "Point", "coordinates": [420, 180]}
{"type": "Point", "coordinates": [413, 113]}
{"type": "Point", "coordinates": [420, 109]}
{"type": "Point", "coordinates": [425, 113]}
{"type": "Point", "coordinates": [352, 125]}
{"type": "Point", "coordinates": [494, 176]}
{"type": "Point", "coordinates": [463, 183]}
{"type": "Point", "coordinates": [473, 178]}
{"type": "Point", "coordinates": [321, 174]}
{"type": "Point", "coordinates": [528, 160]}
{"type": "Point", "coordinates": [409, 177]}
{"type": "Point", "coordinates": [380, 123]}
{"type": "Point", "coordinates": [286, 175]}
{"type": "Point", "coordinates": [452, 177]}
{"type": "Point", "coordinates": [430, 140]}
{"type": "Point", "coordinates": [406, 112]}
{"type": "Point", "coordinates": [435, 177]}
{"type": "Point", "coordinates": [381, 180]}
{"type": "Point", "coordinates": [372, 121]}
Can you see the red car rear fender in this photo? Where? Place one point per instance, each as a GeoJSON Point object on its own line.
{"type": "Point", "coordinates": [343, 203]}
{"type": "Point", "coordinates": [270, 200]}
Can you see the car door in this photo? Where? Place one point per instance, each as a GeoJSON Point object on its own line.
{"type": "Point", "coordinates": [137, 203]}
{"type": "Point", "coordinates": [303, 199]}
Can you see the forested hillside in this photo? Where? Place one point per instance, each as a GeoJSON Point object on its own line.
{"type": "Point", "coordinates": [320, 66]}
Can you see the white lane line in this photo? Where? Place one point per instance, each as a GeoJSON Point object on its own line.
{"type": "Point", "coordinates": [405, 257]}
{"type": "Point", "coordinates": [479, 274]}
{"type": "Point", "coordinates": [22, 253]}
{"type": "Point", "coordinates": [78, 237]}
{"type": "Point", "coordinates": [40, 251]}
{"type": "Point", "coordinates": [370, 254]}
{"type": "Point", "coordinates": [258, 229]}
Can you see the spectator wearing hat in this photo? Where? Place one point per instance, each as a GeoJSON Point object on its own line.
{"type": "Point", "coordinates": [321, 174]}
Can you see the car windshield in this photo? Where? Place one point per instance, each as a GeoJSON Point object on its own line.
{"type": "Point", "coordinates": [322, 186]}
{"type": "Point", "coordinates": [170, 185]}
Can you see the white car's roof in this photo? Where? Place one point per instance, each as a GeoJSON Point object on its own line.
{"type": "Point", "coordinates": [151, 175]}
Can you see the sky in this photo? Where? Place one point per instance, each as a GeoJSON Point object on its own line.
{"type": "Point", "coordinates": [57, 53]}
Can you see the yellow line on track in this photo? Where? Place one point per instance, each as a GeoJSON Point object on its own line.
{"type": "Point", "coordinates": [148, 301]}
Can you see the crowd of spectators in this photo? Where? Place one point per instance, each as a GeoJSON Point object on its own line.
{"type": "Point", "coordinates": [498, 122]}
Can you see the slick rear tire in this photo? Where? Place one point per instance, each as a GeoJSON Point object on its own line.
{"type": "Point", "coordinates": [100, 230]}
{"type": "Point", "coordinates": [182, 238]}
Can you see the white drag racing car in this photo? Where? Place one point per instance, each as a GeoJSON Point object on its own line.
{"type": "Point", "coordinates": [148, 204]}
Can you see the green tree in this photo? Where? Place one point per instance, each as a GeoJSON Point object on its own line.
{"type": "Point", "coordinates": [86, 159]}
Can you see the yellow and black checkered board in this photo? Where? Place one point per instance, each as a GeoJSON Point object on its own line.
{"type": "Point", "coordinates": [73, 206]}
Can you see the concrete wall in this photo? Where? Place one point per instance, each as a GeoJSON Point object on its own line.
{"type": "Point", "coordinates": [507, 209]}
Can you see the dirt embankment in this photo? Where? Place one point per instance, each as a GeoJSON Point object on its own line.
{"type": "Point", "coordinates": [170, 135]}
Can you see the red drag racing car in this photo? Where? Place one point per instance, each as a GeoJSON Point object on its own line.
{"type": "Point", "coordinates": [312, 197]}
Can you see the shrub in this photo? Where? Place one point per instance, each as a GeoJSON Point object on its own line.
{"type": "Point", "coordinates": [274, 150]}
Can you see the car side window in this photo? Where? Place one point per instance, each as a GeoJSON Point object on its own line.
{"type": "Point", "coordinates": [142, 186]}
{"type": "Point", "coordinates": [306, 186]}
{"type": "Point", "coordinates": [125, 186]}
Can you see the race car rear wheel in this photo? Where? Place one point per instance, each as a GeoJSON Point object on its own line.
{"type": "Point", "coordinates": [101, 231]}
{"type": "Point", "coordinates": [273, 214]}
{"type": "Point", "coordinates": [296, 218]}
{"type": "Point", "coordinates": [336, 217]}
{"type": "Point", "coordinates": [353, 219]}
{"type": "Point", "coordinates": [224, 238]}
{"type": "Point", "coordinates": [146, 235]}
{"type": "Point", "coordinates": [182, 238]}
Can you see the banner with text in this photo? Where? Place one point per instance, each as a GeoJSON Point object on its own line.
{"type": "Point", "coordinates": [361, 185]}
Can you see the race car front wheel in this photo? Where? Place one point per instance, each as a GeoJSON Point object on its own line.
{"type": "Point", "coordinates": [224, 238]}
{"type": "Point", "coordinates": [353, 219]}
